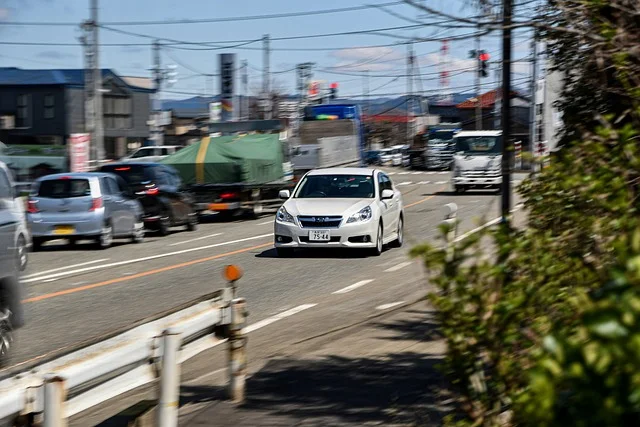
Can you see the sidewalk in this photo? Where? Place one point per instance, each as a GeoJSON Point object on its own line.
{"type": "Point", "coordinates": [381, 373]}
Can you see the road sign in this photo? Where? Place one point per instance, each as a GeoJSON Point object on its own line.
{"type": "Point", "coordinates": [215, 112]}
{"type": "Point", "coordinates": [227, 86]}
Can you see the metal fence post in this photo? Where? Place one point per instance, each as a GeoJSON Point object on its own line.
{"type": "Point", "coordinates": [54, 398]}
{"type": "Point", "coordinates": [237, 351]}
{"type": "Point", "coordinates": [168, 401]}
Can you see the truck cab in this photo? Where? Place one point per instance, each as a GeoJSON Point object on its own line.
{"type": "Point", "coordinates": [477, 161]}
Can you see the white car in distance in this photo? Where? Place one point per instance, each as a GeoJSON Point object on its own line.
{"type": "Point", "coordinates": [340, 208]}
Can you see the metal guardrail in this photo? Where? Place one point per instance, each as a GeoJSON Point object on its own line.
{"type": "Point", "coordinates": [147, 352]}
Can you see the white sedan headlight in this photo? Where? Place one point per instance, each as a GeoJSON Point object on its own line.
{"type": "Point", "coordinates": [365, 214]}
{"type": "Point", "coordinates": [284, 216]}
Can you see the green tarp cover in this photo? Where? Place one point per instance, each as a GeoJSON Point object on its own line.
{"type": "Point", "coordinates": [248, 159]}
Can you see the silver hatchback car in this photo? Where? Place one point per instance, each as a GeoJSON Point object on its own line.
{"type": "Point", "coordinates": [77, 206]}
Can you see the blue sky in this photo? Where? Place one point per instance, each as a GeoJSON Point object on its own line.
{"type": "Point", "coordinates": [346, 55]}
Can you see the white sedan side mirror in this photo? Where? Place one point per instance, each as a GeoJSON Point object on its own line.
{"type": "Point", "coordinates": [284, 194]}
{"type": "Point", "coordinates": [386, 194]}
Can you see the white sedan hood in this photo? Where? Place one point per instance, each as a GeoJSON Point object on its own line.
{"type": "Point", "coordinates": [326, 207]}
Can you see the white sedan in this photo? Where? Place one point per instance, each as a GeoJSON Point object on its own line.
{"type": "Point", "coordinates": [340, 207]}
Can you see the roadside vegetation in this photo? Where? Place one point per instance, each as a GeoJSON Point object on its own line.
{"type": "Point", "coordinates": [543, 325]}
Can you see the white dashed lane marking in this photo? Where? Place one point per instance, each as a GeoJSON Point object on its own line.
{"type": "Point", "coordinates": [390, 305]}
{"type": "Point", "coordinates": [398, 267]}
{"type": "Point", "coordinates": [273, 319]}
{"type": "Point", "coordinates": [353, 287]}
{"type": "Point", "coordinates": [404, 183]}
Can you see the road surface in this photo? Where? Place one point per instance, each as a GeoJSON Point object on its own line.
{"type": "Point", "coordinates": [76, 293]}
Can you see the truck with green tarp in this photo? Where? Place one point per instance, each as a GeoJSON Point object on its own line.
{"type": "Point", "coordinates": [236, 173]}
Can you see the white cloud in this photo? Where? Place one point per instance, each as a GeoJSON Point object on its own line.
{"type": "Point", "coordinates": [454, 63]}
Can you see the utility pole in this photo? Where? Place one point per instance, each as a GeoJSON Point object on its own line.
{"type": "Point", "coordinates": [89, 113]}
{"type": "Point", "coordinates": [304, 75]}
{"type": "Point", "coordinates": [266, 77]}
{"type": "Point", "coordinates": [156, 130]}
{"type": "Point", "coordinates": [533, 122]}
{"type": "Point", "coordinates": [365, 90]}
{"type": "Point", "coordinates": [478, 84]}
{"type": "Point", "coordinates": [98, 132]}
{"type": "Point", "coordinates": [244, 110]}
{"type": "Point", "coordinates": [409, 89]}
{"type": "Point", "coordinates": [507, 11]}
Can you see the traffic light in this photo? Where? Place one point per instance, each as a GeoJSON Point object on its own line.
{"type": "Point", "coordinates": [483, 58]}
{"type": "Point", "coordinates": [333, 91]}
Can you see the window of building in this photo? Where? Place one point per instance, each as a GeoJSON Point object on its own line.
{"type": "Point", "coordinates": [23, 113]}
{"type": "Point", "coordinates": [49, 106]}
{"type": "Point", "coordinates": [117, 112]}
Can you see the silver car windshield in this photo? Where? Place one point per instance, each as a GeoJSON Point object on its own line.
{"type": "Point", "coordinates": [336, 187]}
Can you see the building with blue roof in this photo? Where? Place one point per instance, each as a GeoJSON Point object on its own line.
{"type": "Point", "coordinates": [44, 107]}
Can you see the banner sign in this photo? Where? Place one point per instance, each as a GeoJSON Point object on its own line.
{"type": "Point", "coordinates": [215, 112]}
{"type": "Point", "coordinates": [78, 146]}
{"type": "Point", "coordinates": [227, 85]}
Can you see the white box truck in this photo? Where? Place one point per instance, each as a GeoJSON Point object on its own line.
{"type": "Point", "coordinates": [477, 162]}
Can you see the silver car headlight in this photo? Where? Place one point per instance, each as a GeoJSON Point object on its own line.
{"type": "Point", "coordinates": [365, 214]}
{"type": "Point", "coordinates": [284, 216]}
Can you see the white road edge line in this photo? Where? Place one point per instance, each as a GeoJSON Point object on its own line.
{"type": "Point", "coordinates": [64, 268]}
{"type": "Point", "coordinates": [275, 318]}
{"type": "Point", "coordinates": [196, 239]}
{"type": "Point", "coordinates": [132, 261]}
{"type": "Point", "coordinates": [388, 306]}
{"type": "Point", "coordinates": [352, 287]}
{"type": "Point", "coordinates": [398, 267]}
{"type": "Point", "coordinates": [483, 226]}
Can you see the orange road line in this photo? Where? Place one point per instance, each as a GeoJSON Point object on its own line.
{"type": "Point", "coordinates": [419, 201]}
{"type": "Point", "coordinates": [139, 275]}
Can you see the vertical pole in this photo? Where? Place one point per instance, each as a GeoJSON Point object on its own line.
{"type": "Point", "coordinates": [266, 83]}
{"type": "Point", "coordinates": [54, 397]}
{"type": "Point", "coordinates": [366, 92]}
{"type": "Point", "coordinates": [97, 85]}
{"type": "Point", "coordinates": [156, 132]}
{"type": "Point", "coordinates": [478, 85]}
{"type": "Point", "coordinates": [507, 151]}
{"type": "Point", "coordinates": [237, 351]}
{"type": "Point", "coordinates": [169, 380]}
{"type": "Point", "coordinates": [89, 113]}
{"type": "Point", "coordinates": [533, 122]}
{"type": "Point", "coordinates": [245, 91]}
{"type": "Point", "coordinates": [409, 88]}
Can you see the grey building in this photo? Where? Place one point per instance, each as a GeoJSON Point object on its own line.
{"type": "Point", "coordinates": [44, 107]}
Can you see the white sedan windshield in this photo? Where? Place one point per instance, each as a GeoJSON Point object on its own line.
{"type": "Point", "coordinates": [336, 187]}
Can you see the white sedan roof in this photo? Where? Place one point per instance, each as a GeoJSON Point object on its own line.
{"type": "Point", "coordinates": [343, 171]}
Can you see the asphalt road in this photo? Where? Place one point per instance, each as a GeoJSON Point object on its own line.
{"type": "Point", "coordinates": [75, 293]}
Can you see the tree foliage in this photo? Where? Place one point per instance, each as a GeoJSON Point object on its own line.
{"type": "Point", "coordinates": [543, 323]}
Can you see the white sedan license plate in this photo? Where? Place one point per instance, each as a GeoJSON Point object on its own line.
{"type": "Point", "coordinates": [319, 236]}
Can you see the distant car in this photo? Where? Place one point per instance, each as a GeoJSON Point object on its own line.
{"type": "Point", "coordinates": [152, 154]}
{"type": "Point", "coordinates": [340, 207]}
{"type": "Point", "coordinates": [386, 156]}
{"type": "Point", "coordinates": [11, 313]}
{"type": "Point", "coordinates": [77, 206]}
{"type": "Point", "coordinates": [159, 188]}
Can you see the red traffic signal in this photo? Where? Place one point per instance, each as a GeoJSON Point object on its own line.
{"type": "Point", "coordinates": [334, 86]}
{"type": "Point", "coordinates": [484, 56]}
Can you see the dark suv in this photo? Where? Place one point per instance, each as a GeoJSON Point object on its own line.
{"type": "Point", "coordinates": [165, 201]}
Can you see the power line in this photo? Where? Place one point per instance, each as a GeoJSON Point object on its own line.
{"type": "Point", "coordinates": [211, 20]}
